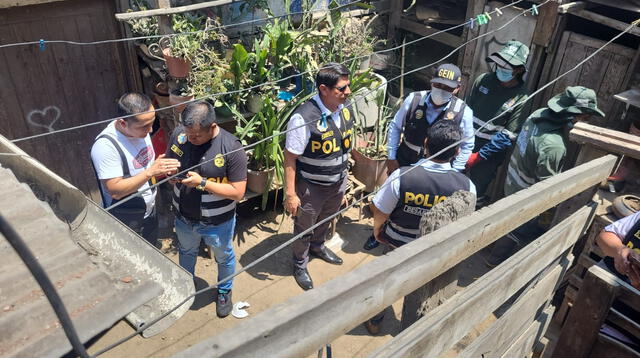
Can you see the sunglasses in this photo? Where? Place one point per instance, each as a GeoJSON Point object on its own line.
{"type": "Point", "coordinates": [342, 88]}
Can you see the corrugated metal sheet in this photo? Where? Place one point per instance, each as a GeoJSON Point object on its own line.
{"type": "Point", "coordinates": [94, 297]}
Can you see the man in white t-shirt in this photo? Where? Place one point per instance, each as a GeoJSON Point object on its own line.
{"type": "Point", "coordinates": [123, 159]}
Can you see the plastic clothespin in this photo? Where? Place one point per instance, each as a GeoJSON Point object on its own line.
{"type": "Point", "coordinates": [534, 9]}
{"type": "Point", "coordinates": [481, 19]}
{"type": "Point", "coordinates": [41, 44]}
{"type": "Point", "coordinates": [498, 11]}
{"type": "Point", "coordinates": [487, 16]}
{"type": "Point", "coordinates": [471, 21]}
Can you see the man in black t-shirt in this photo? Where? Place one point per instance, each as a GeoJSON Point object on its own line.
{"type": "Point", "coordinates": [205, 201]}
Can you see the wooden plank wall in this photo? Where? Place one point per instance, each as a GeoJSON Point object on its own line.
{"type": "Point", "coordinates": [62, 86]}
{"type": "Point", "coordinates": [605, 72]}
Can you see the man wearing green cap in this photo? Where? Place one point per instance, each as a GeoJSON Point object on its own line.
{"type": "Point", "coordinates": [539, 154]}
{"type": "Point", "coordinates": [498, 94]}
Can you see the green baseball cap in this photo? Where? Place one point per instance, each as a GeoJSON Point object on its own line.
{"type": "Point", "coordinates": [576, 99]}
{"type": "Point", "coordinates": [514, 53]}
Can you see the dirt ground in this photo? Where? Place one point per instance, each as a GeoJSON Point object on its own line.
{"type": "Point", "coordinates": [264, 286]}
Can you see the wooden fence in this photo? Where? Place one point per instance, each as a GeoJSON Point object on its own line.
{"type": "Point", "coordinates": [306, 322]}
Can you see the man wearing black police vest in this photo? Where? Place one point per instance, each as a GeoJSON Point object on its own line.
{"type": "Point", "coordinates": [319, 139]}
{"type": "Point", "coordinates": [205, 201]}
{"type": "Point", "coordinates": [413, 190]}
{"type": "Point", "coordinates": [419, 111]}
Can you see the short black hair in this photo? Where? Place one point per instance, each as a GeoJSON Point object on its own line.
{"type": "Point", "coordinates": [133, 103]}
{"type": "Point", "coordinates": [330, 73]}
{"type": "Point", "coordinates": [442, 134]}
{"type": "Point", "coordinates": [199, 114]}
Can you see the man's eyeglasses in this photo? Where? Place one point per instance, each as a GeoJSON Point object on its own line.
{"type": "Point", "coordinates": [342, 88]}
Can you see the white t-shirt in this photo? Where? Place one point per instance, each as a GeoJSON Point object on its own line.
{"type": "Point", "coordinates": [108, 165]}
{"type": "Point", "coordinates": [298, 138]}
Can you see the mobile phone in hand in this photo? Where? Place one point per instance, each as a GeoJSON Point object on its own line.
{"type": "Point", "coordinates": [634, 260]}
{"type": "Point", "coordinates": [180, 176]}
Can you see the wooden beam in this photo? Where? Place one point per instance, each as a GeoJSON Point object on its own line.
{"type": "Point", "coordinates": [15, 3]}
{"type": "Point", "coordinates": [496, 340]}
{"type": "Point", "coordinates": [299, 326]}
{"type": "Point", "coordinates": [394, 19]}
{"type": "Point", "coordinates": [173, 10]}
{"type": "Point", "coordinates": [438, 332]}
{"type": "Point", "coordinates": [580, 331]}
{"type": "Point", "coordinates": [606, 139]}
{"type": "Point", "coordinates": [164, 22]}
{"type": "Point", "coordinates": [572, 6]}
{"type": "Point", "coordinates": [607, 21]}
{"type": "Point", "coordinates": [545, 24]}
{"type": "Point", "coordinates": [424, 30]}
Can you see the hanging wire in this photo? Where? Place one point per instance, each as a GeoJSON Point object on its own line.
{"type": "Point", "coordinates": [184, 171]}
{"type": "Point", "coordinates": [288, 242]}
{"type": "Point", "coordinates": [274, 82]}
{"type": "Point", "coordinates": [127, 39]}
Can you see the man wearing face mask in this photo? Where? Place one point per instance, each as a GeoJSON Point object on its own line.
{"type": "Point", "coordinates": [539, 154]}
{"type": "Point", "coordinates": [499, 93]}
{"type": "Point", "coordinates": [418, 113]}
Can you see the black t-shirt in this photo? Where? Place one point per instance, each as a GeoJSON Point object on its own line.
{"type": "Point", "coordinates": [234, 168]}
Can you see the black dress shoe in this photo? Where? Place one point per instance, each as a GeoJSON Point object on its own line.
{"type": "Point", "coordinates": [371, 243]}
{"type": "Point", "coordinates": [302, 278]}
{"type": "Point", "coordinates": [327, 255]}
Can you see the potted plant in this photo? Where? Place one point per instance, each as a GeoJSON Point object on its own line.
{"type": "Point", "coordinates": [370, 152]}
{"type": "Point", "coordinates": [266, 162]}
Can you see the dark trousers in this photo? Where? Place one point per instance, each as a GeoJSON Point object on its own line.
{"type": "Point", "coordinates": [317, 202]}
{"type": "Point", "coordinates": [483, 173]}
{"type": "Point", "coordinates": [509, 244]}
{"type": "Point", "coordinates": [147, 227]}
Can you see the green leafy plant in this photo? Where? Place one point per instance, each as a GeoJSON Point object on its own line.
{"type": "Point", "coordinates": [375, 141]}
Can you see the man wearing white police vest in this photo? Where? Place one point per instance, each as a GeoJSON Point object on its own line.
{"type": "Point", "coordinates": [413, 190]}
{"type": "Point", "coordinates": [319, 139]}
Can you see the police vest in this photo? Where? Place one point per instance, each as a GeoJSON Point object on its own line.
{"type": "Point", "coordinates": [411, 148]}
{"type": "Point", "coordinates": [420, 190]}
{"type": "Point", "coordinates": [214, 209]}
{"type": "Point", "coordinates": [632, 241]}
{"type": "Point", "coordinates": [324, 160]}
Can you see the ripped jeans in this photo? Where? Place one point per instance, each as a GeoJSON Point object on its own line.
{"type": "Point", "coordinates": [218, 237]}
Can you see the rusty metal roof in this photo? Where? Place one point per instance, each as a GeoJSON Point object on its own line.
{"type": "Point", "coordinates": [94, 298]}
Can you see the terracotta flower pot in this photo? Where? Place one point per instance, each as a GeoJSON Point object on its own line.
{"type": "Point", "coordinates": [371, 172]}
{"type": "Point", "coordinates": [177, 67]}
{"type": "Point", "coordinates": [177, 99]}
{"type": "Point", "coordinates": [258, 180]}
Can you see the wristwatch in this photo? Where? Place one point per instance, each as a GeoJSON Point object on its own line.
{"type": "Point", "coordinates": [203, 183]}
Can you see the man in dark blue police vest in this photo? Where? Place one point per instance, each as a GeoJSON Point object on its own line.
{"type": "Point", "coordinates": [619, 241]}
{"type": "Point", "coordinates": [319, 139]}
{"type": "Point", "coordinates": [413, 190]}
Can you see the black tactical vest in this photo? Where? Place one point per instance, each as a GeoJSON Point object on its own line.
{"type": "Point", "coordinates": [420, 190]}
{"type": "Point", "coordinates": [415, 127]}
{"type": "Point", "coordinates": [214, 209]}
{"type": "Point", "coordinates": [632, 241]}
{"type": "Point", "coordinates": [324, 160]}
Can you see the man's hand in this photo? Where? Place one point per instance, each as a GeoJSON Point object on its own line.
{"type": "Point", "coordinates": [163, 167]}
{"type": "Point", "coordinates": [474, 159]}
{"type": "Point", "coordinates": [634, 268]}
{"type": "Point", "coordinates": [392, 165]}
{"type": "Point", "coordinates": [193, 180]}
{"type": "Point", "coordinates": [291, 204]}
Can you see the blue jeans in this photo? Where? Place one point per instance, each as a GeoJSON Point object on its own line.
{"type": "Point", "coordinates": [218, 237]}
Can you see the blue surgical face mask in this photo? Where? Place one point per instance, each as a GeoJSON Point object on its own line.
{"type": "Point", "coordinates": [504, 75]}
